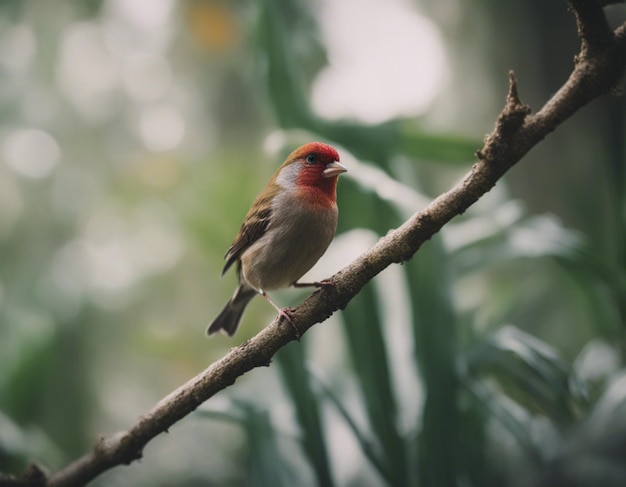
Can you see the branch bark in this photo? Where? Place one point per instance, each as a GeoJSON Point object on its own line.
{"type": "Point", "coordinates": [598, 69]}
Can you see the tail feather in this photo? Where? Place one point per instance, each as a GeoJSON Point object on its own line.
{"type": "Point", "coordinates": [229, 318]}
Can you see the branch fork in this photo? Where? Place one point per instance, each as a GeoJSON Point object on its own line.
{"type": "Point", "coordinates": [510, 120]}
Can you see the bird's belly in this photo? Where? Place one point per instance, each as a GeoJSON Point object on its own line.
{"type": "Point", "coordinates": [287, 251]}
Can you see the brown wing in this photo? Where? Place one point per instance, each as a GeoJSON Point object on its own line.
{"type": "Point", "coordinates": [253, 228]}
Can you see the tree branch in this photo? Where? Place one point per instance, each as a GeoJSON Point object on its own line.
{"type": "Point", "coordinates": [598, 69]}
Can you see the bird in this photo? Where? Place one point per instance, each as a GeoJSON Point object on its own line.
{"type": "Point", "coordinates": [287, 229]}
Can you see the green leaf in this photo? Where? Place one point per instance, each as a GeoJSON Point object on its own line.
{"type": "Point", "coordinates": [507, 234]}
{"type": "Point", "coordinates": [308, 411]}
{"type": "Point", "coordinates": [369, 358]}
{"type": "Point", "coordinates": [369, 448]}
{"type": "Point", "coordinates": [443, 148]}
{"type": "Point", "coordinates": [263, 455]}
{"type": "Point", "coordinates": [496, 405]}
{"type": "Point", "coordinates": [531, 372]}
{"type": "Point", "coordinates": [262, 447]}
{"type": "Point", "coordinates": [434, 330]}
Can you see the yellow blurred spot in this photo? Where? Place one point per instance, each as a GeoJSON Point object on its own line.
{"type": "Point", "coordinates": [213, 25]}
{"type": "Point", "coordinates": [158, 172]}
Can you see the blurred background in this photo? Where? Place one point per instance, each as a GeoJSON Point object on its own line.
{"type": "Point", "coordinates": [134, 136]}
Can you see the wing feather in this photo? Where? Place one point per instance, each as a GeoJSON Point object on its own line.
{"type": "Point", "coordinates": [253, 228]}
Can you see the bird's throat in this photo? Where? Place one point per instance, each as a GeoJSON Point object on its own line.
{"type": "Point", "coordinates": [323, 195]}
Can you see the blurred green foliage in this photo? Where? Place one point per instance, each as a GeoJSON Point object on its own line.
{"type": "Point", "coordinates": [495, 356]}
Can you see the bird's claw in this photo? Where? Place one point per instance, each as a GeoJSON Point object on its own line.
{"type": "Point", "coordinates": [325, 283]}
{"type": "Point", "coordinates": [284, 313]}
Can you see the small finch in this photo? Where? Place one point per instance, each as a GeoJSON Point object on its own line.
{"type": "Point", "coordinates": [287, 229]}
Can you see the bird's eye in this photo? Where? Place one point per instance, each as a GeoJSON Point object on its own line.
{"type": "Point", "coordinates": [311, 159]}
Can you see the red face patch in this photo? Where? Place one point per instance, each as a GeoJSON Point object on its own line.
{"type": "Point", "coordinates": [313, 159]}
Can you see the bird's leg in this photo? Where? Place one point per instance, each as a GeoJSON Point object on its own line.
{"type": "Point", "coordinates": [282, 313]}
{"type": "Point", "coordinates": [317, 284]}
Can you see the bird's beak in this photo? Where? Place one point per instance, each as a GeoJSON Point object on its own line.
{"type": "Point", "coordinates": [333, 169]}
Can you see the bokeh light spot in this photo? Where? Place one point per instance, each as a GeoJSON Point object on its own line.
{"type": "Point", "coordinates": [141, 14]}
{"type": "Point", "coordinates": [386, 60]}
{"type": "Point", "coordinates": [30, 152]}
{"type": "Point", "coordinates": [161, 127]}
{"type": "Point", "coordinates": [87, 72]}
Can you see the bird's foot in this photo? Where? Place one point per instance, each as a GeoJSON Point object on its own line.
{"type": "Point", "coordinates": [284, 313]}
